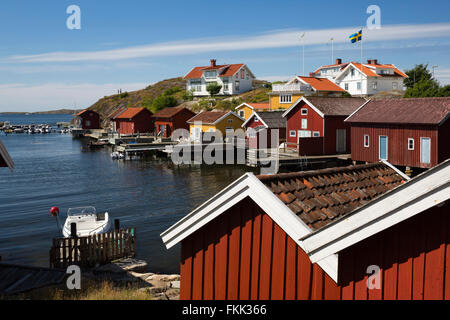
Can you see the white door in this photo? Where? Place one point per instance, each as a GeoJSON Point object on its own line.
{"type": "Point", "coordinates": [340, 140]}
{"type": "Point", "coordinates": [425, 150]}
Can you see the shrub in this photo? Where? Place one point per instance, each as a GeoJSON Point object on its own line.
{"type": "Point", "coordinates": [172, 91]}
{"type": "Point", "coordinates": [188, 95]}
{"type": "Point", "coordinates": [123, 95]}
{"type": "Point", "coordinates": [213, 88]}
{"type": "Point", "coordinates": [162, 102]}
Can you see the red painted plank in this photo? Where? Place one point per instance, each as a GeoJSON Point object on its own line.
{"type": "Point", "coordinates": [304, 275]}
{"type": "Point", "coordinates": [256, 254]}
{"type": "Point", "coordinates": [419, 242]}
{"type": "Point", "coordinates": [447, 255]}
{"type": "Point", "coordinates": [278, 263]}
{"type": "Point", "coordinates": [317, 283]}
{"type": "Point", "coordinates": [197, 273]}
{"type": "Point", "coordinates": [331, 290]}
{"type": "Point", "coordinates": [234, 252]}
{"type": "Point", "coordinates": [186, 270]}
{"type": "Point", "coordinates": [291, 269]}
{"type": "Point", "coordinates": [435, 256]}
{"type": "Point", "coordinates": [375, 249]}
{"type": "Point", "coordinates": [246, 252]}
{"type": "Point", "coordinates": [360, 270]}
{"type": "Point", "coordinates": [266, 257]}
{"type": "Point", "coordinates": [405, 260]}
{"type": "Point", "coordinates": [208, 280]}
{"type": "Point", "coordinates": [221, 259]}
{"type": "Point", "coordinates": [390, 265]}
{"type": "Point", "coordinates": [346, 276]}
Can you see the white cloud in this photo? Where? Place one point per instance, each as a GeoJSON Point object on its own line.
{"type": "Point", "coordinates": [443, 76]}
{"type": "Point", "coordinates": [50, 96]}
{"type": "Point", "coordinates": [274, 39]}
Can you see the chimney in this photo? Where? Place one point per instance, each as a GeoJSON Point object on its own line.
{"type": "Point", "coordinates": [338, 61]}
{"type": "Point", "coordinates": [373, 62]}
{"type": "Point", "coordinates": [311, 74]}
{"type": "Point", "coordinates": [213, 62]}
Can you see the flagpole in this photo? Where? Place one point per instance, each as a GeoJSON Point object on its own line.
{"type": "Point", "coordinates": [303, 58]}
{"type": "Point", "coordinates": [332, 50]}
{"type": "Point", "coordinates": [361, 62]}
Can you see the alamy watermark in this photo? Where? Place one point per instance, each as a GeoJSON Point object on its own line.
{"type": "Point", "coordinates": [374, 21]}
{"type": "Point", "coordinates": [74, 280]}
{"type": "Point", "coordinates": [73, 22]}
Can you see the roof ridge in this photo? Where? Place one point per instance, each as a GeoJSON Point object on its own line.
{"type": "Point", "coordinates": [310, 173]}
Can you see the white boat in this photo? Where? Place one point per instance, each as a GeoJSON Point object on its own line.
{"type": "Point", "coordinates": [88, 222]}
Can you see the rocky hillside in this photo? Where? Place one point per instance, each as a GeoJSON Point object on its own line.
{"type": "Point", "coordinates": [172, 92]}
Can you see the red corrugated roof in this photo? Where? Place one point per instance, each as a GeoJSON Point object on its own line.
{"type": "Point", "coordinates": [81, 112]}
{"type": "Point", "coordinates": [130, 113]}
{"type": "Point", "coordinates": [406, 111]}
{"type": "Point", "coordinates": [322, 84]}
{"type": "Point", "coordinates": [229, 70]}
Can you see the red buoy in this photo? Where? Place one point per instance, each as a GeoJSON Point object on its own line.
{"type": "Point", "coordinates": [54, 211]}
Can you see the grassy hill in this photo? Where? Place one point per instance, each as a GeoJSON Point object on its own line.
{"type": "Point", "coordinates": [173, 91]}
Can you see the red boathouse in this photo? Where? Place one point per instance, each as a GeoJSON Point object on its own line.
{"type": "Point", "coordinates": [168, 120]}
{"type": "Point", "coordinates": [315, 125]}
{"type": "Point", "coordinates": [134, 120]}
{"type": "Point", "coordinates": [263, 123]}
{"type": "Point", "coordinates": [88, 119]}
{"type": "Point", "coordinates": [407, 132]}
{"type": "Point", "coordinates": [320, 235]}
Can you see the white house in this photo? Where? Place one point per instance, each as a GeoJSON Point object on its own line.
{"type": "Point", "coordinates": [371, 79]}
{"type": "Point", "coordinates": [234, 78]}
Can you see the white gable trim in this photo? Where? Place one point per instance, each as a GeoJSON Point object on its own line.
{"type": "Point", "coordinates": [246, 186]}
{"type": "Point", "coordinates": [252, 116]}
{"type": "Point", "coordinates": [5, 155]}
{"type": "Point", "coordinates": [226, 115]}
{"type": "Point", "coordinates": [303, 98]}
{"type": "Point", "coordinates": [357, 110]}
{"type": "Point", "coordinates": [390, 165]}
{"type": "Point", "coordinates": [425, 191]}
{"type": "Point", "coordinates": [343, 72]}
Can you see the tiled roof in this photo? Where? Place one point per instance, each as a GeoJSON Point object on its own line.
{"type": "Point", "coordinates": [322, 196]}
{"type": "Point", "coordinates": [208, 117]}
{"type": "Point", "coordinates": [411, 111]}
{"type": "Point", "coordinates": [130, 113]}
{"type": "Point", "coordinates": [336, 106]}
{"type": "Point", "coordinates": [273, 119]}
{"type": "Point", "coordinates": [115, 113]}
{"type": "Point", "coordinates": [256, 106]}
{"type": "Point", "coordinates": [228, 70]}
{"type": "Point", "coordinates": [322, 84]}
{"type": "Point", "coordinates": [170, 112]}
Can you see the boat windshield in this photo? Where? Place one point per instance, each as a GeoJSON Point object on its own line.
{"type": "Point", "coordinates": [81, 211]}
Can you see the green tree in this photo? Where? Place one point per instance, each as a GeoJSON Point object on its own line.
{"type": "Point", "coordinates": [444, 91]}
{"type": "Point", "coordinates": [423, 88]}
{"type": "Point", "coordinates": [162, 102]}
{"type": "Point", "coordinates": [213, 88]}
{"type": "Point", "coordinates": [419, 73]}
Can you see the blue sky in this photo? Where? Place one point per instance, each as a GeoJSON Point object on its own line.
{"type": "Point", "coordinates": [131, 44]}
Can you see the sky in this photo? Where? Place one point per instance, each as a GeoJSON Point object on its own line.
{"type": "Point", "coordinates": [131, 44]}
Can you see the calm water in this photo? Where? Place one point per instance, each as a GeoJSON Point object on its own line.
{"type": "Point", "coordinates": [55, 170]}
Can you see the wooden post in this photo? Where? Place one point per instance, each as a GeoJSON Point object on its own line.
{"type": "Point", "coordinates": [73, 230]}
{"type": "Point", "coordinates": [116, 224]}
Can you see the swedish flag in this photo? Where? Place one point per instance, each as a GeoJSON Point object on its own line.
{"type": "Point", "coordinates": [356, 37]}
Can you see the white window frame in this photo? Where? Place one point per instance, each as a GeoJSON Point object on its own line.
{"type": "Point", "coordinates": [379, 147]}
{"type": "Point", "coordinates": [413, 144]}
{"type": "Point", "coordinates": [421, 147]}
{"type": "Point", "coordinates": [368, 141]}
{"type": "Point", "coordinates": [285, 98]}
{"type": "Point", "coordinates": [358, 85]}
{"type": "Point", "coordinates": [394, 86]}
{"type": "Point", "coordinates": [304, 111]}
{"type": "Point", "coordinates": [292, 133]}
{"type": "Point", "coordinates": [346, 86]}
{"type": "Point", "coordinates": [242, 113]}
{"type": "Point", "coordinates": [375, 85]}
{"type": "Point", "coordinates": [304, 124]}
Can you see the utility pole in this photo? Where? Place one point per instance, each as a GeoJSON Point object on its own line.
{"type": "Point", "coordinates": [303, 59]}
{"type": "Point", "coordinates": [434, 67]}
{"type": "Point", "coordinates": [332, 51]}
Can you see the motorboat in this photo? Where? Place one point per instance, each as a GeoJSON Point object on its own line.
{"type": "Point", "coordinates": [88, 222]}
{"type": "Point", "coordinates": [117, 156]}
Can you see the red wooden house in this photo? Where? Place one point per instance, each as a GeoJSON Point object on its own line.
{"type": "Point", "coordinates": [5, 158]}
{"type": "Point", "coordinates": [264, 123]}
{"type": "Point", "coordinates": [134, 120]}
{"type": "Point", "coordinates": [319, 235]}
{"type": "Point", "coordinates": [315, 125]}
{"type": "Point", "coordinates": [169, 119]}
{"type": "Point", "coordinates": [88, 119]}
{"type": "Point", "coordinates": [406, 132]}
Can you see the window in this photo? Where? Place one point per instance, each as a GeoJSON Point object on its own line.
{"type": "Point", "coordinates": [366, 141]}
{"type": "Point", "coordinates": [304, 123]}
{"type": "Point", "coordinates": [236, 86]}
{"type": "Point", "coordinates": [247, 76]}
{"type": "Point", "coordinates": [87, 122]}
{"type": "Point", "coordinates": [346, 86]}
{"type": "Point", "coordinates": [242, 74]}
{"type": "Point", "coordinates": [230, 120]}
{"type": "Point", "coordinates": [374, 86]}
{"type": "Point", "coordinates": [256, 119]}
{"type": "Point", "coordinates": [237, 75]}
{"type": "Point", "coordinates": [304, 111]}
{"type": "Point", "coordinates": [242, 113]}
{"type": "Point", "coordinates": [210, 74]}
{"type": "Point", "coordinates": [285, 98]}
{"type": "Point", "coordinates": [410, 144]}
{"type": "Point", "coordinates": [358, 85]}
{"type": "Point", "coordinates": [316, 134]}
{"type": "Point", "coordinates": [196, 85]}
{"type": "Point", "coordinates": [226, 86]}
{"type": "Point", "coordinates": [394, 85]}
{"type": "Point", "coordinates": [292, 133]}
{"type": "Point", "coordinates": [353, 72]}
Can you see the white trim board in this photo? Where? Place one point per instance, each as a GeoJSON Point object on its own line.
{"type": "Point", "coordinates": [253, 115]}
{"type": "Point", "coordinates": [429, 189]}
{"type": "Point", "coordinates": [320, 113]}
{"type": "Point", "coordinates": [246, 186]}
{"type": "Point", "coordinates": [5, 155]}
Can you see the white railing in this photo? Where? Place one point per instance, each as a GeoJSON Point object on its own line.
{"type": "Point", "coordinates": [290, 87]}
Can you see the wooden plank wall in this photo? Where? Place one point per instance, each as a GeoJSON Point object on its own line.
{"type": "Point", "coordinates": [413, 256]}
{"type": "Point", "coordinates": [244, 255]}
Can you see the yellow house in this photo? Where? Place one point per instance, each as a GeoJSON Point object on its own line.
{"type": "Point", "coordinates": [212, 121]}
{"type": "Point", "coordinates": [246, 109]}
{"type": "Point", "coordinates": [284, 95]}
